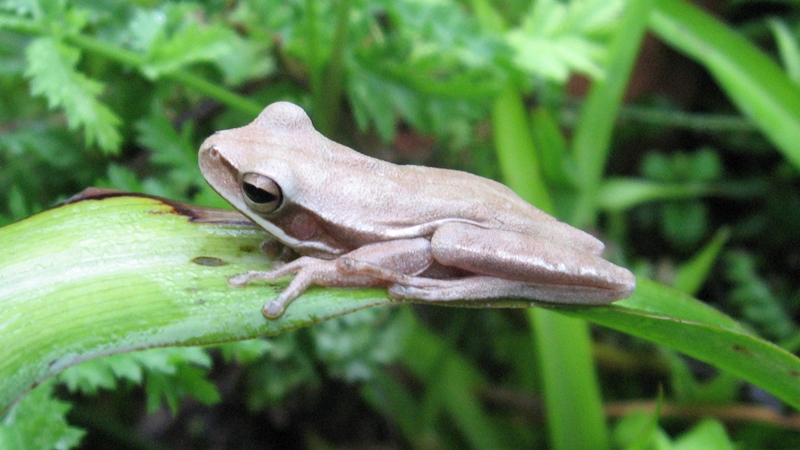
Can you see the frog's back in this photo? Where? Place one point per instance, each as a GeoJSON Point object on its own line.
{"type": "Point", "coordinates": [405, 196]}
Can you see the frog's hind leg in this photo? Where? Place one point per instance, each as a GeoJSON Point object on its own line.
{"type": "Point", "coordinates": [308, 271]}
{"type": "Point", "coordinates": [481, 287]}
{"type": "Point", "coordinates": [510, 264]}
{"type": "Point", "coordinates": [390, 259]}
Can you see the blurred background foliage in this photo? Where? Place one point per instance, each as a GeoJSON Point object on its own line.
{"type": "Point", "coordinates": [120, 94]}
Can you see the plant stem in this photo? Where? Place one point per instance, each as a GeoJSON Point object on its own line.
{"type": "Point", "coordinates": [592, 140]}
{"type": "Point", "coordinates": [334, 75]}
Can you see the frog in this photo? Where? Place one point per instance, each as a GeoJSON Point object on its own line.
{"type": "Point", "coordinates": [426, 234]}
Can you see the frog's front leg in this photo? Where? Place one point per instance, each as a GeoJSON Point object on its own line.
{"type": "Point", "coordinates": [510, 264]}
{"type": "Point", "coordinates": [409, 256]}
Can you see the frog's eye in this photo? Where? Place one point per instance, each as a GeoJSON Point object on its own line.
{"type": "Point", "coordinates": [262, 194]}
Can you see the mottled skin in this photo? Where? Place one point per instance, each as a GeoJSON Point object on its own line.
{"type": "Point", "coordinates": [425, 233]}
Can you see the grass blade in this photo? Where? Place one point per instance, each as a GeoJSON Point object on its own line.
{"type": "Point", "coordinates": [754, 83]}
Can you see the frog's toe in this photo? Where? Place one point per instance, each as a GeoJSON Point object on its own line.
{"type": "Point", "coordinates": [242, 279]}
{"type": "Point", "coordinates": [273, 309]}
{"type": "Point", "coordinates": [400, 292]}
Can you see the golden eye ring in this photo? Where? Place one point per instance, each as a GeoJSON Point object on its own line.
{"type": "Point", "coordinates": [262, 194]}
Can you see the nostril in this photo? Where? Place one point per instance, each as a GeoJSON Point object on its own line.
{"type": "Point", "coordinates": [213, 152]}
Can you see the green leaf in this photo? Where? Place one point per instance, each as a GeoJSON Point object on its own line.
{"type": "Point", "coordinates": [753, 297]}
{"type": "Point", "coordinates": [172, 38]}
{"type": "Point", "coordinates": [51, 68]}
{"type": "Point", "coordinates": [591, 143]}
{"type": "Point", "coordinates": [721, 389]}
{"type": "Point", "coordinates": [244, 60]}
{"type": "Point", "coordinates": [574, 399]}
{"type": "Point", "coordinates": [516, 149]}
{"type": "Point", "coordinates": [788, 48]}
{"type": "Point", "coordinates": [356, 346]}
{"type": "Point", "coordinates": [378, 99]}
{"type": "Point", "coordinates": [620, 194]}
{"type": "Point", "coordinates": [192, 43]}
{"type": "Point", "coordinates": [149, 273]}
{"type": "Point", "coordinates": [120, 177]}
{"type": "Point", "coordinates": [116, 274]}
{"type": "Point", "coordinates": [445, 373]}
{"type": "Point", "coordinates": [558, 38]}
{"type": "Point", "coordinates": [754, 83]}
{"type": "Point", "coordinates": [38, 422]}
{"type": "Point", "coordinates": [685, 222]}
{"type": "Point", "coordinates": [174, 151]}
{"type": "Point", "coordinates": [639, 430]}
{"type": "Point", "coordinates": [709, 433]}
{"type": "Point", "coordinates": [171, 373]}
{"type": "Point", "coordinates": [668, 317]}
{"type": "Point", "coordinates": [552, 145]}
{"type": "Point", "coordinates": [571, 389]}
{"type": "Point", "coordinates": [701, 165]}
{"type": "Point", "coordinates": [245, 352]}
{"type": "Point", "coordinates": [691, 275]}
{"type": "Point", "coordinates": [287, 365]}
{"type": "Point", "coordinates": [173, 387]}
{"type": "Point", "coordinates": [433, 67]}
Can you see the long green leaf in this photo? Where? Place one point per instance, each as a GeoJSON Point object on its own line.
{"type": "Point", "coordinates": [598, 115]}
{"type": "Point", "coordinates": [516, 150]}
{"type": "Point", "coordinates": [758, 87]}
{"type": "Point", "coordinates": [121, 273]}
{"type": "Point", "coordinates": [678, 321]}
{"type": "Point", "coordinates": [691, 275]}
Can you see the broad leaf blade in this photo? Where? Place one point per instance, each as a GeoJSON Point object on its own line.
{"type": "Point", "coordinates": [122, 273]}
{"type": "Point", "coordinates": [678, 321]}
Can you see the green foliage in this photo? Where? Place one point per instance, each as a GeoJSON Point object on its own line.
{"type": "Point", "coordinates": [758, 306]}
{"type": "Point", "coordinates": [120, 94]}
{"type": "Point", "coordinates": [352, 348]}
{"type": "Point", "coordinates": [51, 69]}
{"type": "Point", "coordinates": [430, 65]}
{"type": "Point", "coordinates": [687, 389]}
{"type": "Point", "coordinates": [691, 275]}
{"type": "Point", "coordinates": [172, 373]}
{"type": "Point", "coordinates": [556, 39]}
{"type": "Point", "coordinates": [634, 431]}
{"type": "Point", "coordinates": [39, 421]}
{"type": "Point", "coordinates": [684, 222]}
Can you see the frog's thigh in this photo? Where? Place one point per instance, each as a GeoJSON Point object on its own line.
{"type": "Point", "coordinates": [534, 261]}
{"type": "Point", "coordinates": [390, 261]}
{"type": "Point", "coordinates": [409, 256]}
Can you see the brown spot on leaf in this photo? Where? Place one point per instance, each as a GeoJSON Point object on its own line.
{"type": "Point", "coordinates": [208, 261]}
{"type": "Point", "coordinates": [742, 349]}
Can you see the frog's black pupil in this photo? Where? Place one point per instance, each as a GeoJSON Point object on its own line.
{"type": "Point", "coordinates": [257, 195]}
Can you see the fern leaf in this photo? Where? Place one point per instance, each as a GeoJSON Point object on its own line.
{"type": "Point", "coordinates": [51, 69]}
